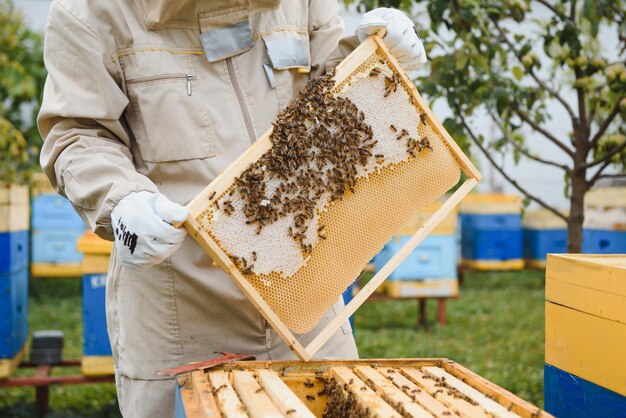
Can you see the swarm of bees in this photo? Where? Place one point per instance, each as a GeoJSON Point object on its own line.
{"type": "Point", "coordinates": [319, 143]}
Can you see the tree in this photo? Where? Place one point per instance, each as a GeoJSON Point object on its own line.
{"type": "Point", "coordinates": [22, 76]}
{"type": "Point", "coordinates": [507, 60]}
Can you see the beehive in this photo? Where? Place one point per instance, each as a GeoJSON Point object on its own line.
{"type": "Point", "coordinates": [97, 357]}
{"type": "Point", "coordinates": [586, 335]}
{"type": "Point", "coordinates": [491, 232]}
{"type": "Point", "coordinates": [406, 160]}
{"type": "Point", "coordinates": [365, 388]}
{"type": "Point", "coordinates": [543, 233]}
{"type": "Point", "coordinates": [14, 250]}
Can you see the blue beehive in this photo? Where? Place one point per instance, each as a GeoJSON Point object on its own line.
{"type": "Point", "coordinates": [14, 252]}
{"type": "Point", "coordinates": [598, 241]}
{"type": "Point", "coordinates": [95, 337]}
{"type": "Point", "coordinates": [491, 232]}
{"type": "Point", "coordinates": [604, 230]}
{"type": "Point", "coordinates": [56, 245]}
{"type": "Point", "coordinates": [434, 258]}
{"type": "Point", "coordinates": [56, 227]}
{"type": "Point", "coordinates": [97, 359]}
{"type": "Point", "coordinates": [543, 233]}
{"type": "Point", "coordinates": [52, 211]}
{"type": "Point", "coordinates": [13, 312]}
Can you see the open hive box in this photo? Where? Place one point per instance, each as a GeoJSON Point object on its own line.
{"type": "Point", "coordinates": [294, 220]}
{"type": "Point", "coordinates": [363, 388]}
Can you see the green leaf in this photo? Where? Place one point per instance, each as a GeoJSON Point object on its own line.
{"type": "Point", "coordinates": [518, 72]}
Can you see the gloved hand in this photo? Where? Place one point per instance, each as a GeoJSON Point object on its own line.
{"type": "Point", "coordinates": [142, 227]}
{"type": "Point", "coordinates": [401, 36]}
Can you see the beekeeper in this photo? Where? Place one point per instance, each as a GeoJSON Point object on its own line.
{"type": "Point", "coordinates": [146, 102]}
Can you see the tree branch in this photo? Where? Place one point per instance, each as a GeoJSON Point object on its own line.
{"type": "Point", "coordinates": [572, 10]}
{"type": "Point", "coordinates": [541, 130]}
{"type": "Point", "coordinates": [607, 157]}
{"type": "Point", "coordinates": [539, 81]}
{"type": "Point", "coordinates": [596, 138]}
{"type": "Point", "coordinates": [502, 172]}
{"type": "Point", "coordinates": [582, 112]}
{"type": "Point", "coordinates": [552, 9]}
{"type": "Point", "coordinates": [526, 152]}
{"type": "Point", "coordinates": [598, 174]}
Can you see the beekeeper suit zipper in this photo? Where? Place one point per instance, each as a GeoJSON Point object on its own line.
{"type": "Point", "coordinates": [187, 77]}
{"type": "Point", "coordinates": [240, 99]}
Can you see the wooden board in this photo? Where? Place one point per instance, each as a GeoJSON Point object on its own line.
{"type": "Point", "coordinates": [588, 346]}
{"type": "Point", "coordinates": [379, 387]}
{"type": "Point", "coordinates": [595, 284]}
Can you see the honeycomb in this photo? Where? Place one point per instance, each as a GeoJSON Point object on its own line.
{"type": "Point", "coordinates": [300, 287]}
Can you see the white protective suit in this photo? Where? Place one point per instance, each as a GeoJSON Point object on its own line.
{"type": "Point", "coordinates": [161, 96]}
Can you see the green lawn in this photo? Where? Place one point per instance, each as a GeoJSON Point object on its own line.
{"type": "Point", "coordinates": [495, 329]}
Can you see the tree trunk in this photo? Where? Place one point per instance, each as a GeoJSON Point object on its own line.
{"type": "Point", "coordinates": [577, 209]}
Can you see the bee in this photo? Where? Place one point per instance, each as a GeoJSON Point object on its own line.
{"type": "Point", "coordinates": [282, 372]}
{"type": "Point", "coordinates": [308, 383]}
{"type": "Point", "coordinates": [363, 388]}
{"type": "Point", "coordinates": [322, 392]}
{"type": "Point", "coordinates": [425, 143]}
{"type": "Point", "coordinates": [393, 128]}
{"type": "Point", "coordinates": [402, 134]}
{"type": "Point", "coordinates": [212, 195]}
{"type": "Point", "coordinates": [291, 411]}
{"type": "Point", "coordinates": [217, 204]}
{"type": "Point", "coordinates": [259, 390]}
{"type": "Point", "coordinates": [405, 387]}
{"type": "Point", "coordinates": [253, 255]}
{"type": "Point", "coordinates": [375, 71]}
{"type": "Point", "coordinates": [310, 397]}
{"type": "Point", "coordinates": [320, 376]}
{"type": "Point", "coordinates": [423, 117]}
{"type": "Point", "coordinates": [351, 381]}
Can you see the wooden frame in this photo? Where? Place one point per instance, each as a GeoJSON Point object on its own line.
{"type": "Point", "coordinates": [254, 152]}
{"type": "Point", "coordinates": [392, 379]}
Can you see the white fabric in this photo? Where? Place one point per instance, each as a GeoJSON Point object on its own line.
{"type": "Point", "coordinates": [401, 37]}
{"type": "Point", "coordinates": [142, 225]}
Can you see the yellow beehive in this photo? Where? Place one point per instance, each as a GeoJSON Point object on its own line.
{"type": "Point", "coordinates": [409, 162]}
{"type": "Point", "coordinates": [542, 219]}
{"type": "Point", "coordinates": [447, 226]}
{"type": "Point", "coordinates": [491, 203]}
{"type": "Point", "coordinates": [366, 388]}
{"type": "Point", "coordinates": [41, 184]}
{"type": "Point", "coordinates": [586, 317]}
{"type": "Point", "coordinates": [605, 208]}
{"type": "Point", "coordinates": [14, 208]}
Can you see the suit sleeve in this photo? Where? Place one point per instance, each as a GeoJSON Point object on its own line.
{"type": "Point", "coordinates": [86, 151]}
{"type": "Point", "coordinates": [326, 36]}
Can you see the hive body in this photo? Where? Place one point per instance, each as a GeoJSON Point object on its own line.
{"type": "Point", "coordinates": [367, 388]}
{"type": "Point", "coordinates": [295, 269]}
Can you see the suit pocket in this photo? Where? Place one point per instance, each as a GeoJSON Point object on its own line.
{"type": "Point", "coordinates": [169, 117]}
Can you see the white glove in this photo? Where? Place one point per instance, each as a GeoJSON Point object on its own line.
{"type": "Point", "coordinates": [401, 37]}
{"type": "Point", "coordinates": [142, 227]}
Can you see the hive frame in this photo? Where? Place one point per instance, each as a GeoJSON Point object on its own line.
{"type": "Point", "coordinates": [255, 151]}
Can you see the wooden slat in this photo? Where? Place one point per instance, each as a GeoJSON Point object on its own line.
{"type": "Point", "coordinates": [371, 286]}
{"type": "Point", "coordinates": [489, 405]}
{"type": "Point", "coordinates": [391, 393]}
{"type": "Point", "coordinates": [286, 401]}
{"type": "Point", "coordinates": [257, 402]}
{"type": "Point", "coordinates": [418, 395]}
{"type": "Point", "coordinates": [504, 397]}
{"type": "Point", "coordinates": [457, 404]}
{"type": "Point", "coordinates": [205, 403]}
{"type": "Point", "coordinates": [227, 399]}
{"type": "Point", "coordinates": [365, 397]}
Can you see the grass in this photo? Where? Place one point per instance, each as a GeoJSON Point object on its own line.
{"type": "Point", "coordinates": [495, 329]}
